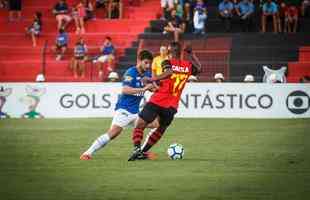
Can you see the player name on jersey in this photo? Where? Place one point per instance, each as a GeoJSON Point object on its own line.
{"type": "Point", "coordinates": [181, 69]}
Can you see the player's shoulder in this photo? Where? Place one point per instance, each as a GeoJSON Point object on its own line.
{"type": "Point", "coordinates": [157, 57]}
{"type": "Point", "coordinates": [130, 73]}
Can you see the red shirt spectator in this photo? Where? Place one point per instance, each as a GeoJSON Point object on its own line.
{"type": "Point", "coordinates": [291, 11]}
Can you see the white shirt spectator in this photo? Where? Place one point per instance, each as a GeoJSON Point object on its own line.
{"type": "Point", "coordinates": [199, 20]}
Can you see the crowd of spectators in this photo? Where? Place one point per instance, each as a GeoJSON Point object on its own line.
{"type": "Point", "coordinates": [180, 16]}
{"type": "Point", "coordinates": [192, 15]}
{"type": "Point", "coordinates": [78, 13]}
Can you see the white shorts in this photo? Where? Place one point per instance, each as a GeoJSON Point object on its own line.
{"type": "Point", "coordinates": [123, 118]}
{"type": "Point", "coordinates": [104, 58]}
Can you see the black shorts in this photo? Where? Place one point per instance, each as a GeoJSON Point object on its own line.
{"type": "Point", "coordinates": [150, 111]}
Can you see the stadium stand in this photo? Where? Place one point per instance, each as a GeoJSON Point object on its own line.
{"type": "Point", "coordinates": [19, 61]}
{"type": "Point", "coordinates": [234, 54]}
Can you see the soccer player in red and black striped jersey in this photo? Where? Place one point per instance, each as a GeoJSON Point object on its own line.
{"type": "Point", "coordinates": [163, 104]}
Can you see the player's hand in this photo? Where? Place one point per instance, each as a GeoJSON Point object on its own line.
{"type": "Point", "coordinates": [146, 80]}
{"type": "Point", "coordinates": [155, 87]}
{"type": "Point", "coordinates": [148, 86]}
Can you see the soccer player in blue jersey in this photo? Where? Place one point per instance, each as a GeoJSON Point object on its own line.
{"type": "Point", "coordinates": [127, 106]}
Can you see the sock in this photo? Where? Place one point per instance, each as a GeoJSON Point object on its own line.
{"type": "Point", "coordinates": [98, 143]}
{"type": "Point", "coordinates": [137, 136]}
{"type": "Point", "coordinates": [153, 139]}
{"type": "Point", "coordinates": [148, 136]}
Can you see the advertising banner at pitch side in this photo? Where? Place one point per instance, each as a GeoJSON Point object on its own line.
{"type": "Point", "coordinates": [199, 100]}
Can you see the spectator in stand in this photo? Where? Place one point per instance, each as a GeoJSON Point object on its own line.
{"type": "Point", "coordinates": [249, 78]}
{"type": "Point", "coordinates": [226, 13]}
{"type": "Point", "coordinates": [3, 3]}
{"type": "Point", "coordinates": [188, 9]}
{"type": "Point", "coordinates": [115, 9]}
{"type": "Point", "coordinates": [245, 12]}
{"type": "Point", "coordinates": [291, 18]}
{"type": "Point", "coordinates": [167, 6]}
{"type": "Point", "coordinates": [200, 5]}
{"type": "Point", "coordinates": [156, 64]}
{"type": "Point", "coordinates": [61, 11]}
{"type": "Point", "coordinates": [200, 18]}
{"type": "Point", "coordinates": [179, 8]}
{"type": "Point", "coordinates": [79, 58]}
{"type": "Point", "coordinates": [270, 11]}
{"type": "Point", "coordinates": [79, 13]}
{"type": "Point", "coordinates": [281, 14]}
{"type": "Point", "coordinates": [305, 8]}
{"type": "Point", "coordinates": [175, 26]}
{"type": "Point", "coordinates": [104, 4]}
{"type": "Point", "coordinates": [61, 44]}
{"type": "Point", "coordinates": [35, 28]}
{"type": "Point", "coordinates": [188, 15]}
{"type": "Point", "coordinates": [219, 78]}
{"type": "Point", "coordinates": [101, 3]}
{"type": "Point", "coordinates": [15, 7]}
{"type": "Point", "coordinates": [89, 10]}
{"type": "Point", "coordinates": [108, 56]}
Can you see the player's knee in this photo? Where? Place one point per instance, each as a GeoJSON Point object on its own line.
{"type": "Point", "coordinates": [141, 123]}
{"type": "Point", "coordinates": [114, 131]}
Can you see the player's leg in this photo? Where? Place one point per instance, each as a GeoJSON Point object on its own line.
{"type": "Point", "coordinates": [102, 141]}
{"type": "Point", "coordinates": [166, 116]}
{"type": "Point", "coordinates": [146, 116]}
{"type": "Point", "coordinates": [153, 126]}
{"type": "Point", "coordinates": [120, 120]}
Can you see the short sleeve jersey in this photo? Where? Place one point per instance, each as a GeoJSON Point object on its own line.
{"type": "Point", "coordinates": [132, 78]}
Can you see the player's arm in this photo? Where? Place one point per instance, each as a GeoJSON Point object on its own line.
{"type": "Point", "coordinates": [196, 65]}
{"type": "Point", "coordinates": [154, 66]}
{"type": "Point", "coordinates": [129, 86]}
{"type": "Point", "coordinates": [167, 71]}
{"type": "Point", "coordinates": [130, 90]}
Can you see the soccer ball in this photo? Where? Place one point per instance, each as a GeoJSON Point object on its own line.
{"type": "Point", "coordinates": [175, 151]}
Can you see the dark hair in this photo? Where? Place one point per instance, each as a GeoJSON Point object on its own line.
{"type": "Point", "coordinates": [175, 49]}
{"type": "Point", "coordinates": [144, 54]}
{"type": "Point", "coordinates": [166, 64]}
{"type": "Point", "coordinates": [108, 38]}
{"type": "Point", "coordinates": [61, 30]}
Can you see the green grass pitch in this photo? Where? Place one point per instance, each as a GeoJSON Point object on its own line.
{"type": "Point", "coordinates": [224, 159]}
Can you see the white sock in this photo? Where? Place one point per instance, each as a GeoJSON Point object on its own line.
{"type": "Point", "coordinates": [98, 143]}
{"type": "Point", "coordinates": [147, 137]}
